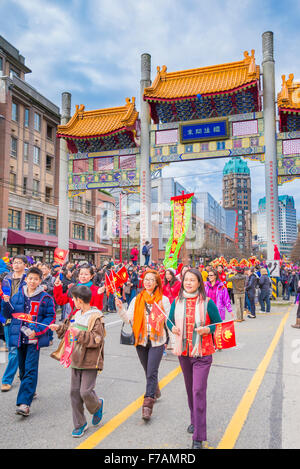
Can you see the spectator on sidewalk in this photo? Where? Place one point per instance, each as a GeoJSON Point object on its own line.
{"type": "Point", "coordinates": [134, 254]}
{"type": "Point", "coordinates": [238, 287]}
{"type": "Point", "coordinates": [251, 284]}
{"type": "Point", "coordinates": [146, 252]}
{"type": "Point", "coordinates": [264, 284]}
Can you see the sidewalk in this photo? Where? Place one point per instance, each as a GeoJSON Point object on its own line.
{"type": "Point", "coordinates": [291, 384]}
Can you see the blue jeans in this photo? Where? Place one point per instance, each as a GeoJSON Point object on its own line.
{"type": "Point", "coordinates": [13, 363]}
{"type": "Point", "coordinates": [111, 302]}
{"type": "Point", "coordinates": [147, 258]}
{"type": "Point", "coordinates": [28, 363]}
{"type": "Point", "coordinates": [265, 300]}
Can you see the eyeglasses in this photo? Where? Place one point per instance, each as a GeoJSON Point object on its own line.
{"type": "Point", "coordinates": [211, 275]}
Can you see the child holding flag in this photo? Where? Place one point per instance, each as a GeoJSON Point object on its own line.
{"type": "Point", "coordinates": [147, 313]}
{"type": "Point", "coordinates": [34, 304]}
{"type": "Point", "coordinates": [87, 358]}
{"type": "Point", "coordinates": [190, 318]}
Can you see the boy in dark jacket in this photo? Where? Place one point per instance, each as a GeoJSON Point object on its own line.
{"type": "Point", "coordinates": [29, 337]}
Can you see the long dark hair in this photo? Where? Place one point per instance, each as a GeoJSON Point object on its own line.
{"type": "Point", "coordinates": [173, 279]}
{"type": "Point", "coordinates": [201, 288]}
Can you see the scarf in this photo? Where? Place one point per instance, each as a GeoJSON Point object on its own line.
{"type": "Point", "coordinates": [139, 319]}
{"type": "Point", "coordinates": [88, 284]}
{"type": "Point", "coordinates": [180, 321]}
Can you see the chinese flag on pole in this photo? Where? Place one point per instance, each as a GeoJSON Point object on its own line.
{"type": "Point", "coordinates": [108, 285]}
{"type": "Point", "coordinates": [114, 280]}
{"type": "Point", "coordinates": [122, 275]}
{"type": "Point", "coordinates": [156, 317]}
{"type": "Point", "coordinates": [60, 255]}
{"type": "Point", "coordinates": [225, 335]}
{"type": "Point", "coordinates": [22, 316]}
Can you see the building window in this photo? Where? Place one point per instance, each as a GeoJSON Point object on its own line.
{"type": "Point", "coordinates": [51, 226]}
{"type": "Point", "coordinates": [13, 147]}
{"type": "Point", "coordinates": [78, 231]}
{"type": "Point", "coordinates": [14, 112]}
{"type": "Point", "coordinates": [14, 73]}
{"type": "Point", "coordinates": [1, 66]}
{"type": "Point", "coordinates": [49, 132]}
{"type": "Point", "coordinates": [25, 185]}
{"type": "Point", "coordinates": [37, 122]}
{"type": "Point", "coordinates": [14, 219]}
{"type": "Point", "coordinates": [33, 223]}
{"type": "Point", "coordinates": [91, 234]}
{"type": "Point", "coordinates": [48, 195]}
{"type": "Point", "coordinates": [26, 117]}
{"type": "Point", "coordinates": [79, 203]}
{"type": "Point", "coordinates": [12, 182]}
{"type": "Point", "coordinates": [36, 155]}
{"type": "Point", "coordinates": [26, 151]}
{"type": "Point", "coordinates": [49, 160]}
{"type": "Point", "coordinates": [36, 188]}
{"type": "Point", "coordinates": [88, 207]}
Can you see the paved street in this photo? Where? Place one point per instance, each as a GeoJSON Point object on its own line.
{"type": "Point", "coordinates": [252, 395]}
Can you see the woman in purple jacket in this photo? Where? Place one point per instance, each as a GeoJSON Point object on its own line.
{"type": "Point", "coordinates": [216, 290]}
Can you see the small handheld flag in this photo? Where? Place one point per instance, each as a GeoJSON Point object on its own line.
{"type": "Point", "coordinates": [225, 335]}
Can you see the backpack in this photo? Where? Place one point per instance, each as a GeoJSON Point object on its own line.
{"type": "Point", "coordinates": [144, 251]}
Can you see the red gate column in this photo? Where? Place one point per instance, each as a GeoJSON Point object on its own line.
{"type": "Point", "coordinates": [145, 193]}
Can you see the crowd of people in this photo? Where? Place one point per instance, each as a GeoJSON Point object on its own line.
{"type": "Point", "coordinates": [71, 300]}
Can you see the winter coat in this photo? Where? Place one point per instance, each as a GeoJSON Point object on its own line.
{"type": "Point", "coordinates": [219, 294]}
{"type": "Point", "coordinates": [49, 281]}
{"type": "Point", "coordinates": [42, 309]}
{"type": "Point", "coordinates": [88, 353]}
{"type": "Point", "coordinates": [251, 284]}
{"type": "Point", "coordinates": [264, 284]}
{"type": "Point", "coordinates": [65, 298]}
{"type": "Point", "coordinates": [171, 291]}
{"type": "Point", "coordinates": [134, 254]}
{"type": "Point", "coordinates": [238, 283]}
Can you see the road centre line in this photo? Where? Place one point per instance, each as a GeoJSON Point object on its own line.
{"type": "Point", "coordinates": [96, 438]}
{"type": "Point", "coordinates": [239, 417]}
{"type": "Point", "coordinates": [237, 421]}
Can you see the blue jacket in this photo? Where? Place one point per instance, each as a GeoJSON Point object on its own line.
{"type": "Point", "coordinates": [40, 306]}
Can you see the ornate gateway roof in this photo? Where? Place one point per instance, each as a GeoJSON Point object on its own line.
{"type": "Point", "coordinates": [201, 93]}
{"type": "Point", "coordinates": [288, 101]}
{"type": "Point", "coordinates": [101, 122]}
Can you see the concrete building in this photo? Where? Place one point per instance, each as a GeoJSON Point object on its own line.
{"type": "Point", "coordinates": [237, 196]}
{"type": "Point", "coordinates": [287, 223]}
{"type": "Point", "coordinates": [29, 169]}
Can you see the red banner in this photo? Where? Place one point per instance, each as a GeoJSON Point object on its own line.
{"type": "Point", "coordinates": [224, 335]}
{"type": "Point", "coordinates": [122, 275]}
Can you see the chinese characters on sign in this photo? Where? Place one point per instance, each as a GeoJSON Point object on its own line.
{"type": "Point", "coordinates": [208, 130]}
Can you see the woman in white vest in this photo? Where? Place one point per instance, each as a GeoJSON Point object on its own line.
{"type": "Point", "coordinates": [189, 319]}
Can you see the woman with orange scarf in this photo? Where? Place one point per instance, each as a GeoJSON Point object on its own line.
{"type": "Point", "coordinates": [149, 342]}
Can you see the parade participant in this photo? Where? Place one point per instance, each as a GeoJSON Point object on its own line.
{"type": "Point", "coordinates": [265, 285]}
{"type": "Point", "coordinates": [29, 337]}
{"type": "Point", "coordinates": [189, 320]}
{"type": "Point", "coordinates": [146, 252]}
{"type": "Point", "coordinates": [251, 283]}
{"type": "Point", "coordinates": [16, 280]}
{"type": "Point", "coordinates": [85, 277]}
{"type": "Point", "coordinates": [203, 272]}
{"type": "Point", "coordinates": [239, 285]}
{"type": "Point", "coordinates": [171, 285]}
{"type": "Point", "coordinates": [216, 290]}
{"type": "Point", "coordinates": [149, 343]}
{"type": "Point", "coordinates": [134, 254]}
{"type": "Point", "coordinates": [297, 325]}
{"type": "Point", "coordinates": [86, 359]}
{"type": "Point", "coordinates": [221, 274]}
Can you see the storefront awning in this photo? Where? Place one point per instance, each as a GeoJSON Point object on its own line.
{"type": "Point", "coordinates": [89, 246]}
{"type": "Point", "coordinates": [32, 239]}
{"type": "Point", "coordinates": [38, 239]}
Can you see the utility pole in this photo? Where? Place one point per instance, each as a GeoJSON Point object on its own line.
{"type": "Point", "coordinates": [145, 193]}
{"type": "Point", "coordinates": [63, 205]}
{"type": "Point", "coordinates": [271, 171]}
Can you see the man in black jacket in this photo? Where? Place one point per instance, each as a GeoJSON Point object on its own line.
{"type": "Point", "coordinates": [251, 284]}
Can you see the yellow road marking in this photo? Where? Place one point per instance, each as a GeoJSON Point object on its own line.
{"type": "Point", "coordinates": [238, 419]}
{"type": "Point", "coordinates": [116, 421]}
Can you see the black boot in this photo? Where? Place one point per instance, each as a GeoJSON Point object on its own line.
{"type": "Point", "coordinates": [197, 444]}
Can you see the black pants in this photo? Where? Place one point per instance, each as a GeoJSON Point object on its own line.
{"type": "Point", "coordinates": [150, 358]}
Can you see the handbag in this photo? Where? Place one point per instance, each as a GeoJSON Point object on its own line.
{"type": "Point", "coordinates": [126, 338]}
{"type": "Point", "coordinates": [57, 354]}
